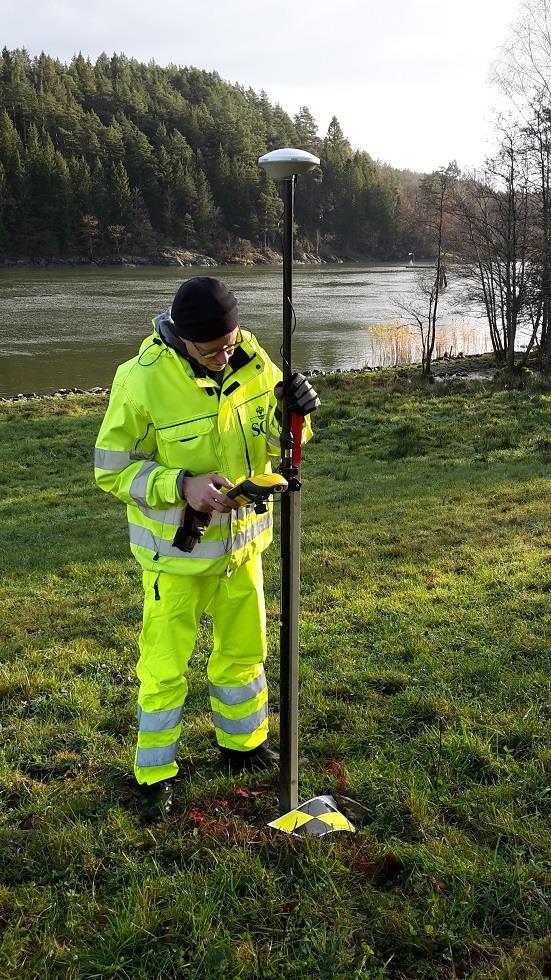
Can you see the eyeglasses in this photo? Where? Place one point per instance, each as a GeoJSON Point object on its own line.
{"type": "Point", "coordinates": [229, 348]}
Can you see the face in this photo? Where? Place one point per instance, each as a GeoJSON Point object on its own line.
{"type": "Point", "coordinates": [215, 354]}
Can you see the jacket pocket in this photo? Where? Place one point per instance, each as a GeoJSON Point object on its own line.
{"type": "Point", "coordinates": [151, 586]}
{"type": "Point", "coordinates": [189, 445]}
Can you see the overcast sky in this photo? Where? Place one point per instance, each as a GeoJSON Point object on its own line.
{"type": "Point", "coordinates": [407, 79]}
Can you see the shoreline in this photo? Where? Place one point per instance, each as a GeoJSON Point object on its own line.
{"type": "Point", "coordinates": [474, 364]}
{"type": "Point", "coordinates": [181, 258]}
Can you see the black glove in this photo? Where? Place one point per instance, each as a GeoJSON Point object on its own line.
{"type": "Point", "coordinates": [298, 395]}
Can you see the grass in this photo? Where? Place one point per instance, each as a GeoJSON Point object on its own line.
{"type": "Point", "coordinates": [425, 639]}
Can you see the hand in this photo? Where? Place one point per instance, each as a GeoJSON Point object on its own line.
{"type": "Point", "coordinates": [298, 395]}
{"type": "Point", "coordinates": [202, 493]}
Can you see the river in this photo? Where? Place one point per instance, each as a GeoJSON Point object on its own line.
{"type": "Point", "coordinates": [71, 327]}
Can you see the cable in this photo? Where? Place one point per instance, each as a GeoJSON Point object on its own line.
{"type": "Point", "coordinates": [286, 288]}
{"type": "Point", "coordinates": [154, 343]}
{"type": "Point", "coordinates": [293, 328]}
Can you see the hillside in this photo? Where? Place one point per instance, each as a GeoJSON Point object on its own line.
{"type": "Point", "coordinates": [117, 157]}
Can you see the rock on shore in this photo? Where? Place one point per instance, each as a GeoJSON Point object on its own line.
{"type": "Point", "coordinates": [35, 396]}
{"type": "Point", "coordinates": [244, 253]}
{"type": "Point", "coordinates": [479, 367]}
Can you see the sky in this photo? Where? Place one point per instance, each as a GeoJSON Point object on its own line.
{"type": "Point", "coordinates": [407, 79]}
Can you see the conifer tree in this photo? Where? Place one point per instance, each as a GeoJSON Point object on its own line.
{"type": "Point", "coordinates": [170, 155]}
{"type": "Point", "coordinates": [119, 194]}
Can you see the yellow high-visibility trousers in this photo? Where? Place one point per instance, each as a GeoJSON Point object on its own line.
{"type": "Point", "coordinates": [173, 606]}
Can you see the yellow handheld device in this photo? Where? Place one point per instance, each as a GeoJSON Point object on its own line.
{"type": "Point", "coordinates": [255, 489]}
{"type": "Point", "coordinates": [252, 492]}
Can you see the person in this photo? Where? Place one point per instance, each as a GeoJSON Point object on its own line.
{"type": "Point", "coordinates": [195, 412]}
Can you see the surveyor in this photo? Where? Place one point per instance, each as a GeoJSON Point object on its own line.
{"type": "Point", "coordinates": [194, 413]}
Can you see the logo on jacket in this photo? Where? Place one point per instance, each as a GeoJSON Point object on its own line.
{"type": "Point", "coordinates": [259, 428]}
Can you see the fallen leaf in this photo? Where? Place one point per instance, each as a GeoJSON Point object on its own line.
{"type": "Point", "coordinates": [290, 905]}
{"type": "Point", "coordinates": [221, 804]}
{"type": "Point", "coordinates": [198, 817]}
{"type": "Point", "coordinates": [30, 823]}
{"type": "Point", "coordinates": [336, 768]}
{"type": "Point", "coordinates": [364, 865]}
{"type": "Point", "coordinates": [389, 869]}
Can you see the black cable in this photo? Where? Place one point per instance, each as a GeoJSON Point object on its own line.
{"type": "Point", "coordinates": [293, 328]}
{"type": "Point", "coordinates": [154, 343]}
{"type": "Point", "coordinates": [286, 288]}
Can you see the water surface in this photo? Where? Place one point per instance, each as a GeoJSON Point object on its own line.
{"type": "Point", "coordinates": [71, 327]}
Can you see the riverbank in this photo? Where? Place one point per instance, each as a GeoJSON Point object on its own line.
{"type": "Point", "coordinates": [425, 638]}
{"type": "Point", "coordinates": [243, 255]}
{"type": "Point", "coordinates": [478, 367]}
{"type": "Point", "coordinates": [75, 325]}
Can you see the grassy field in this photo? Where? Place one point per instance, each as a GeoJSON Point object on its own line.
{"type": "Point", "coordinates": [425, 683]}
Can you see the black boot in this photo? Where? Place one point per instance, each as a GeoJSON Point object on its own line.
{"type": "Point", "coordinates": [256, 760]}
{"type": "Point", "coordinates": [157, 800]}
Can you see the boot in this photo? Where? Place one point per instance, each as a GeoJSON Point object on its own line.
{"type": "Point", "coordinates": [156, 800]}
{"type": "Point", "coordinates": [256, 760]}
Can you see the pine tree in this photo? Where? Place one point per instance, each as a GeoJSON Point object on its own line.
{"type": "Point", "coordinates": [4, 230]}
{"type": "Point", "coordinates": [307, 131]}
{"type": "Point", "coordinates": [204, 210]}
{"type": "Point", "coordinates": [141, 236]}
{"type": "Point", "coordinates": [44, 228]}
{"type": "Point", "coordinates": [119, 194]}
{"type": "Point", "coordinates": [171, 155]}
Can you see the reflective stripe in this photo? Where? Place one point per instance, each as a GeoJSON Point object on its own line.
{"type": "Point", "coordinates": [144, 538]}
{"type": "Point", "coordinates": [171, 516]}
{"type": "Point", "coordinates": [241, 726]}
{"type": "Point", "coordinates": [161, 756]}
{"type": "Point", "coordinates": [108, 459]}
{"type": "Point", "coordinates": [159, 721]}
{"type": "Point", "coordinates": [138, 487]}
{"type": "Point", "coordinates": [252, 531]}
{"type": "Point", "coordinates": [237, 695]}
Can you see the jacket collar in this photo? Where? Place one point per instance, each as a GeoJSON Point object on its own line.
{"type": "Point", "coordinates": [162, 326]}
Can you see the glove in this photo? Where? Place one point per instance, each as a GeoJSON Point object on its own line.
{"type": "Point", "coordinates": [298, 395]}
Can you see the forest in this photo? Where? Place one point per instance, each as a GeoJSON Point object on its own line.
{"type": "Point", "coordinates": [119, 157]}
{"type": "Point", "coordinates": [121, 161]}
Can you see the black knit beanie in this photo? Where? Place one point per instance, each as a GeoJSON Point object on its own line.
{"type": "Point", "coordinates": [203, 309]}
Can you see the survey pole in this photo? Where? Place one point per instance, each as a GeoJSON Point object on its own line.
{"type": "Point", "coordinates": [284, 165]}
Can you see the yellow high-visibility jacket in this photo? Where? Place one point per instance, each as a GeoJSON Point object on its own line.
{"type": "Point", "coordinates": [163, 419]}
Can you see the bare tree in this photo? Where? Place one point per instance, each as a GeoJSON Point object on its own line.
{"type": "Point", "coordinates": [420, 311]}
{"type": "Point", "coordinates": [523, 73]}
{"type": "Point", "coordinates": [538, 142]}
{"type": "Point", "coordinates": [89, 233]}
{"type": "Point", "coordinates": [432, 210]}
{"type": "Point", "coordinates": [522, 70]}
{"type": "Point", "coordinates": [116, 235]}
{"type": "Point", "coordinates": [495, 246]}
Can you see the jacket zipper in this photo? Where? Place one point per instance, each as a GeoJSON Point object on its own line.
{"type": "Point", "coordinates": [173, 425]}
